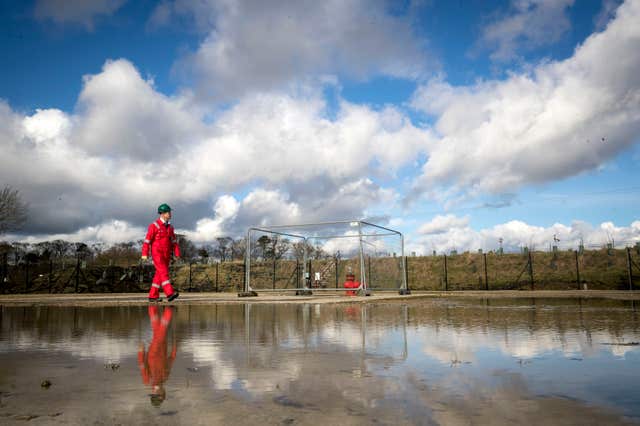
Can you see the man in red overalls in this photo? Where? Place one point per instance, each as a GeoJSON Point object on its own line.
{"type": "Point", "coordinates": [161, 238]}
{"type": "Point", "coordinates": [155, 365]}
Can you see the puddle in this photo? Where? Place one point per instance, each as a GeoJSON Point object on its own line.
{"type": "Point", "coordinates": [425, 362]}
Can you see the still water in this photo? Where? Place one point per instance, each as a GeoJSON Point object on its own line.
{"type": "Point", "coordinates": [428, 362]}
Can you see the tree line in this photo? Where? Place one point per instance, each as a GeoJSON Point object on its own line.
{"type": "Point", "coordinates": [222, 249]}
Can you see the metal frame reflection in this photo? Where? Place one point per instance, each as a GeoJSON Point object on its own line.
{"type": "Point", "coordinates": [307, 327]}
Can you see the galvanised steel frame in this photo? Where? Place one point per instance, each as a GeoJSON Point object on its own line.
{"type": "Point", "coordinates": [364, 287]}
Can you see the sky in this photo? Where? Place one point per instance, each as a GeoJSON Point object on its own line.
{"type": "Point", "coordinates": [459, 123]}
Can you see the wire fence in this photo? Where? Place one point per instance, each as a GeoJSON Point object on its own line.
{"type": "Point", "coordinates": [604, 268]}
{"type": "Point", "coordinates": [77, 275]}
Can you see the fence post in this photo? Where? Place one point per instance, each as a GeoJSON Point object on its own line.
{"type": "Point", "coordinates": [406, 271]}
{"type": "Point", "coordinates": [446, 278]}
{"type": "Point", "coordinates": [486, 275]}
{"type": "Point", "coordinates": [274, 271]}
{"type": "Point", "coordinates": [244, 276]}
{"type": "Point", "coordinates": [530, 269]}
{"type": "Point", "coordinates": [217, 277]}
{"type": "Point", "coordinates": [78, 272]}
{"type": "Point", "coordinates": [50, 274]}
{"type": "Point", "coordinates": [141, 273]}
{"type": "Point", "coordinates": [26, 273]}
{"type": "Point", "coordinates": [577, 270]}
{"type": "Point", "coordinates": [111, 273]}
{"type": "Point", "coordinates": [5, 268]}
{"type": "Point", "coordinates": [337, 264]}
{"type": "Point", "coordinates": [629, 271]}
{"type": "Point", "coordinates": [190, 287]}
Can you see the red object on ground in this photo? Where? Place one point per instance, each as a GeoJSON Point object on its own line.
{"type": "Point", "coordinates": [351, 283]}
{"type": "Point", "coordinates": [162, 241]}
{"type": "Point", "coordinates": [155, 365]}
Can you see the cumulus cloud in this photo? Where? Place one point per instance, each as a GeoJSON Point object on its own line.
{"type": "Point", "coordinates": [441, 224]}
{"type": "Point", "coordinates": [530, 24]}
{"type": "Point", "coordinates": [446, 233]}
{"type": "Point", "coordinates": [119, 114]}
{"type": "Point", "coordinates": [561, 119]}
{"type": "Point", "coordinates": [265, 45]}
{"type": "Point", "coordinates": [127, 148]}
{"type": "Point", "coordinates": [109, 233]}
{"type": "Point", "coordinates": [80, 12]}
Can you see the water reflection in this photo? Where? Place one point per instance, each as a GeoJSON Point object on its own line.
{"type": "Point", "coordinates": [155, 365]}
{"type": "Point", "coordinates": [436, 361]}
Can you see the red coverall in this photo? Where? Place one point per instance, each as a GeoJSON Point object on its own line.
{"type": "Point", "coordinates": [155, 365]}
{"type": "Point", "coordinates": [351, 283]}
{"type": "Point", "coordinates": [162, 240]}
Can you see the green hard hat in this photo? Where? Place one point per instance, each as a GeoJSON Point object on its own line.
{"type": "Point", "coordinates": [164, 208]}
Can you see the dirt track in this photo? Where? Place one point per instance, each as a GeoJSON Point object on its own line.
{"type": "Point", "coordinates": [117, 299]}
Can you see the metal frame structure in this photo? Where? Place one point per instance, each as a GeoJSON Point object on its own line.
{"type": "Point", "coordinates": [305, 290]}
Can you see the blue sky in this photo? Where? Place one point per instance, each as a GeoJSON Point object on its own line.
{"type": "Point", "coordinates": [457, 122]}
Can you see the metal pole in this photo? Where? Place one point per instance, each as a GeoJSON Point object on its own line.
{"type": "Point", "coordinates": [77, 272]}
{"type": "Point", "coordinates": [446, 278]}
{"type": "Point", "coordinates": [405, 276]}
{"type": "Point", "coordinates": [406, 273]}
{"type": "Point", "coordinates": [217, 276]}
{"type": "Point", "coordinates": [26, 273]}
{"type": "Point", "coordinates": [50, 274]}
{"type": "Point", "coordinates": [629, 270]}
{"type": "Point", "coordinates": [486, 275]}
{"type": "Point", "coordinates": [304, 264]}
{"type": "Point", "coordinates": [245, 284]}
{"type": "Point", "coordinates": [362, 269]}
{"type": "Point", "coordinates": [247, 259]}
{"type": "Point", "coordinates": [5, 268]}
{"type": "Point", "coordinates": [190, 287]}
{"type": "Point", "coordinates": [337, 264]}
{"type": "Point", "coordinates": [274, 270]}
{"type": "Point", "coordinates": [577, 269]}
{"type": "Point", "coordinates": [530, 269]}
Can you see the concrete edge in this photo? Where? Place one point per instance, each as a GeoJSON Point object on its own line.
{"type": "Point", "coordinates": [138, 299]}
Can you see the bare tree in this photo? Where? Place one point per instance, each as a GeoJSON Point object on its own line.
{"type": "Point", "coordinates": [279, 247]}
{"type": "Point", "coordinates": [188, 250]}
{"type": "Point", "coordinates": [223, 248]}
{"type": "Point", "coordinates": [263, 242]}
{"type": "Point", "coordinates": [13, 211]}
{"type": "Point", "coordinates": [238, 248]}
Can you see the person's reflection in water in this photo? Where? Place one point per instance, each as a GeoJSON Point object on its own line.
{"type": "Point", "coordinates": [155, 364]}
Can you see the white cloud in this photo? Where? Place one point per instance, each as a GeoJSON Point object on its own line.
{"type": "Point", "coordinates": [531, 24]}
{"type": "Point", "coordinates": [446, 233]}
{"type": "Point", "coordinates": [110, 232]}
{"type": "Point", "coordinates": [81, 12]}
{"type": "Point", "coordinates": [122, 115]}
{"type": "Point", "coordinates": [127, 148]}
{"type": "Point", "coordinates": [207, 229]}
{"type": "Point", "coordinates": [440, 224]}
{"type": "Point", "coordinates": [265, 45]}
{"type": "Point", "coordinates": [564, 118]}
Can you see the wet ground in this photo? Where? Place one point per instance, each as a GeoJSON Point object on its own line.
{"type": "Point", "coordinates": [420, 361]}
